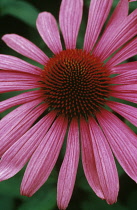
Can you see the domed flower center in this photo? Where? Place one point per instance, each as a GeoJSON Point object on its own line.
{"type": "Point", "coordinates": [75, 83]}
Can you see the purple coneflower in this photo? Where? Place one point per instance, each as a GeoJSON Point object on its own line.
{"type": "Point", "coordinates": [72, 97]}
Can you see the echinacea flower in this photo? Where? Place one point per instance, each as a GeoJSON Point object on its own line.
{"type": "Point", "coordinates": [72, 97]}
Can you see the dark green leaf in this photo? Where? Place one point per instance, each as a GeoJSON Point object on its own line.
{"type": "Point", "coordinates": [43, 200]}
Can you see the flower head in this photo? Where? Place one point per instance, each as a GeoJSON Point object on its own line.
{"type": "Point", "coordinates": [73, 96]}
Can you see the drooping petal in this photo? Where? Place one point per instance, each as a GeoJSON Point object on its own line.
{"type": "Point", "coordinates": [122, 141]}
{"type": "Point", "coordinates": [124, 67]}
{"type": "Point", "coordinates": [25, 47]}
{"type": "Point", "coordinates": [48, 29]}
{"type": "Point", "coordinates": [106, 168]}
{"type": "Point", "coordinates": [98, 13]}
{"type": "Point", "coordinates": [67, 174]}
{"type": "Point", "coordinates": [124, 53]}
{"type": "Point", "coordinates": [20, 152]}
{"type": "Point", "coordinates": [129, 77]}
{"type": "Point", "coordinates": [17, 122]}
{"type": "Point", "coordinates": [114, 39]}
{"type": "Point", "coordinates": [44, 158]}
{"type": "Point", "coordinates": [17, 113]}
{"type": "Point", "coordinates": [88, 159]}
{"type": "Point", "coordinates": [70, 18]}
{"type": "Point", "coordinates": [8, 62]}
{"type": "Point", "coordinates": [128, 112]}
{"type": "Point", "coordinates": [20, 99]}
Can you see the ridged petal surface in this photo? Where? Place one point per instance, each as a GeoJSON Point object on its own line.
{"type": "Point", "coordinates": [70, 16]}
{"type": "Point", "coordinates": [48, 29]}
{"type": "Point", "coordinates": [25, 47]}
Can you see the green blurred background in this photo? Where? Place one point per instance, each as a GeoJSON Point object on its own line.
{"type": "Point", "coordinates": [19, 17]}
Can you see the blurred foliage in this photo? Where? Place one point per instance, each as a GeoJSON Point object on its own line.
{"type": "Point", "coordinates": [21, 10]}
{"type": "Point", "coordinates": [18, 16]}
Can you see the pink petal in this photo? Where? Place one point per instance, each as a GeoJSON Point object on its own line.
{"type": "Point", "coordinates": [20, 99]}
{"type": "Point", "coordinates": [15, 81]}
{"type": "Point", "coordinates": [124, 53]}
{"type": "Point", "coordinates": [25, 47]}
{"type": "Point", "coordinates": [105, 163]}
{"type": "Point", "coordinates": [20, 152]}
{"type": "Point", "coordinates": [125, 88]}
{"type": "Point", "coordinates": [17, 113]}
{"type": "Point", "coordinates": [125, 96]}
{"type": "Point", "coordinates": [98, 13]}
{"type": "Point", "coordinates": [17, 122]}
{"type": "Point", "coordinates": [128, 112]}
{"type": "Point", "coordinates": [11, 76]}
{"type": "Point", "coordinates": [48, 29]}
{"type": "Point", "coordinates": [17, 86]}
{"type": "Point", "coordinates": [70, 18]}
{"type": "Point", "coordinates": [88, 159]}
{"type": "Point", "coordinates": [129, 77]}
{"type": "Point", "coordinates": [114, 39]}
{"type": "Point", "coordinates": [124, 67]}
{"type": "Point", "coordinates": [118, 16]}
{"type": "Point", "coordinates": [44, 158]}
{"type": "Point", "coordinates": [68, 171]}
{"type": "Point", "coordinates": [126, 92]}
{"type": "Point", "coordinates": [8, 62]}
{"type": "Point", "coordinates": [122, 141]}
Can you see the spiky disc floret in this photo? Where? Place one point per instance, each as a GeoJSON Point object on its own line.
{"type": "Point", "coordinates": [75, 83]}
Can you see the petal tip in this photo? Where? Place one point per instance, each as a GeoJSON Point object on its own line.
{"type": "Point", "coordinates": [4, 37]}
{"type": "Point", "coordinates": [24, 192]}
{"type": "Point", "coordinates": [7, 36]}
